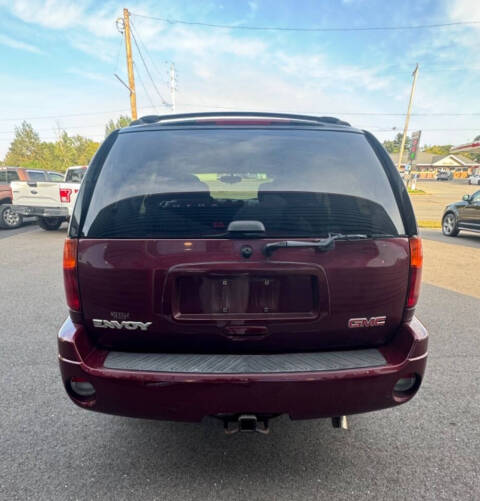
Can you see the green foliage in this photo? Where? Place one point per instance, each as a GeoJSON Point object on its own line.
{"type": "Point", "coordinates": [122, 121]}
{"type": "Point", "coordinates": [438, 149]}
{"type": "Point", "coordinates": [472, 156]}
{"type": "Point", "coordinates": [394, 145]}
{"type": "Point", "coordinates": [444, 149]}
{"type": "Point", "coordinates": [26, 150]}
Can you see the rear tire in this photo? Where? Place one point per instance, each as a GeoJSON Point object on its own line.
{"type": "Point", "coordinates": [9, 219]}
{"type": "Point", "coordinates": [50, 223]}
{"type": "Point", "coordinates": [449, 225]}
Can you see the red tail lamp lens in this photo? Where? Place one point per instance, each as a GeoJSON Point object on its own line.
{"type": "Point", "coordinates": [65, 194]}
{"type": "Point", "coordinates": [416, 262]}
{"type": "Point", "coordinates": [70, 274]}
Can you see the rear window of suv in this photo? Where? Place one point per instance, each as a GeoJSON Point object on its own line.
{"type": "Point", "coordinates": [193, 183]}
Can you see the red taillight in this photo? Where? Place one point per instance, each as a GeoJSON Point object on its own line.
{"type": "Point", "coordinates": [65, 195]}
{"type": "Point", "coordinates": [416, 262]}
{"type": "Point", "coordinates": [70, 274]}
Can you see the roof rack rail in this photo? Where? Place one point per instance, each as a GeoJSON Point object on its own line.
{"type": "Point", "coordinates": [150, 119]}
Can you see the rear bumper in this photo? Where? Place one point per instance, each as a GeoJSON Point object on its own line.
{"type": "Point", "coordinates": [31, 210]}
{"type": "Point", "coordinates": [190, 396]}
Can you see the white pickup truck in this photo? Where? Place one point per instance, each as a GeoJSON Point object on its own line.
{"type": "Point", "coordinates": [51, 202]}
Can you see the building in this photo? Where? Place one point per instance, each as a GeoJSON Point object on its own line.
{"type": "Point", "coordinates": [428, 164]}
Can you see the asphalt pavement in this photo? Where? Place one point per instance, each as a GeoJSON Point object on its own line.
{"type": "Point", "coordinates": [50, 449]}
{"type": "Point", "coordinates": [465, 238]}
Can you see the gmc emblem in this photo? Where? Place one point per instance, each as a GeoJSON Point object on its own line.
{"type": "Point", "coordinates": [355, 323]}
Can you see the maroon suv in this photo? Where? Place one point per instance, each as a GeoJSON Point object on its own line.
{"type": "Point", "coordinates": [243, 266]}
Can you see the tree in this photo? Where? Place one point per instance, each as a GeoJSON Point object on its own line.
{"type": "Point", "coordinates": [84, 149]}
{"type": "Point", "coordinates": [394, 145]}
{"type": "Point", "coordinates": [71, 150]}
{"type": "Point", "coordinates": [25, 148]}
{"type": "Point", "coordinates": [438, 149]}
{"type": "Point", "coordinates": [122, 121]}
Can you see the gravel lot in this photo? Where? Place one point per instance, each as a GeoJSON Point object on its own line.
{"type": "Point", "coordinates": [50, 449]}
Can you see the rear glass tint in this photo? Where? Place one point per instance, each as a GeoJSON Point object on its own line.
{"type": "Point", "coordinates": [54, 176]}
{"type": "Point", "coordinates": [36, 175]}
{"type": "Point", "coordinates": [75, 175]}
{"type": "Point", "coordinates": [193, 183]}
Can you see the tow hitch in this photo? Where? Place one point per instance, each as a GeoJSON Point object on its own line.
{"type": "Point", "coordinates": [340, 422]}
{"type": "Point", "coordinates": [247, 423]}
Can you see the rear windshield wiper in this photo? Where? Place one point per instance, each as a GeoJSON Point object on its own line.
{"type": "Point", "coordinates": [322, 245]}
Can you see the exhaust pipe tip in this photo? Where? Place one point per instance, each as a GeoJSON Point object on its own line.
{"type": "Point", "coordinates": [340, 422]}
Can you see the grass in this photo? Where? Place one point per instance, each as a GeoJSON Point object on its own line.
{"type": "Point", "coordinates": [428, 223]}
{"type": "Point", "coordinates": [417, 192]}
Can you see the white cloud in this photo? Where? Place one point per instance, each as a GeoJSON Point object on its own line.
{"type": "Point", "coordinates": [81, 23]}
{"type": "Point", "coordinates": [56, 14]}
{"type": "Point", "coordinates": [464, 10]}
{"type": "Point", "coordinates": [202, 70]}
{"type": "Point", "coordinates": [90, 75]}
{"type": "Point", "coordinates": [105, 50]}
{"type": "Point", "coordinates": [18, 44]}
{"type": "Point", "coordinates": [68, 15]}
{"type": "Point", "coordinates": [198, 43]}
{"type": "Point", "coordinates": [319, 71]}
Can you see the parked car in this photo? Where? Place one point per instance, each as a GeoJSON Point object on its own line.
{"type": "Point", "coordinates": [474, 179]}
{"type": "Point", "coordinates": [8, 217]}
{"type": "Point", "coordinates": [243, 266]}
{"type": "Point", "coordinates": [444, 175]}
{"type": "Point", "coordinates": [463, 215]}
{"type": "Point", "coordinates": [51, 202]}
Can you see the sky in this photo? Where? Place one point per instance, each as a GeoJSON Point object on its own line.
{"type": "Point", "coordinates": [58, 60]}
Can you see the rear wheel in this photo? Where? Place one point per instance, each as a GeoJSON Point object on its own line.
{"type": "Point", "coordinates": [50, 223]}
{"type": "Point", "coordinates": [9, 218]}
{"type": "Point", "coordinates": [449, 225]}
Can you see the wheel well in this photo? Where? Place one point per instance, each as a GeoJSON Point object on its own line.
{"type": "Point", "coordinates": [449, 212]}
{"type": "Point", "coordinates": [5, 201]}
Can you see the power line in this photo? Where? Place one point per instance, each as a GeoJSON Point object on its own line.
{"type": "Point", "coordinates": [231, 108]}
{"type": "Point", "coordinates": [148, 71]}
{"type": "Point", "coordinates": [427, 130]}
{"type": "Point", "coordinates": [73, 127]}
{"type": "Point", "coordinates": [304, 29]}
{"type": "Point", "coordinates": [347, 113]}
{"type": "Point", "coordinates": [145, 88]}
{"type": "Point", "coordinates": [155, 67]}
{"type": "Point", "coordinates": [117, 57]}
{"type": "Point", "coordinates": [44, 117]}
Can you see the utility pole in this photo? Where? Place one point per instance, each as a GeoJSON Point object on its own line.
{"type": "Point", "coordinates": [407, 118]}
{"type": "Point", "coordinates": [131, 78]}
{"type": "Point", "coordinates": [173, 84]}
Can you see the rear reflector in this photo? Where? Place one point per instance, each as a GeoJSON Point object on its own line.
{"type": "Point", "coordinates": [416, 262]}
{"type": "Point", "coordinates": [406, 386]}
{"type": "Point", "coordinates": [81, 387]}
{"type": "Point", "coordinates": [70, 274]}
